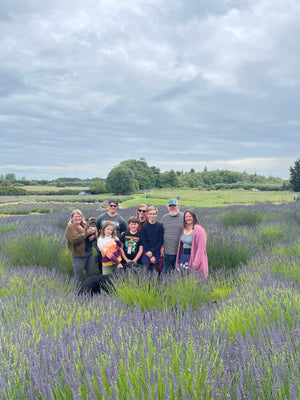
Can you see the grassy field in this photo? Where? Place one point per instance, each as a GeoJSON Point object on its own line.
{"type": "Point", "coordinates": [212, 198]}
{"type": "Point", "coordinates": [188, 198]}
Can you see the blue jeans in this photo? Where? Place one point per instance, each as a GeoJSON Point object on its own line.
{"type": "Point", "coordinates": [169, 264]}
{"type": "Point", "coordinates": [87, 263]}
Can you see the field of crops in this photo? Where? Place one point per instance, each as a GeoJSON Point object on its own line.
{"type": "Point", "coordinates": [234, 336]}
{"type": "Point", "coordinates": [187, 198]}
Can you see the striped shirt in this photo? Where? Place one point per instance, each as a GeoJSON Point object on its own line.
{"type": "Point", "coordinates": [172, 230]}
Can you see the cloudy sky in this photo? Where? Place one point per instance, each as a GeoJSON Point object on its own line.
{"type": "Point", "coordinates": [184, 84]}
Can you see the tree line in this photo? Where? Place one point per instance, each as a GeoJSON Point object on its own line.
{"type": "Point", "coordinates": [132, 175]}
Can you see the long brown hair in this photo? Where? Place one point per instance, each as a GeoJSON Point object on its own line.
{"type": "Point", "coordinates": [195, 220]}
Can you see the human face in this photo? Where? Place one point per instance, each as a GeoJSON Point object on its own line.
{"type": "Point", "coordinates": [112, 209]}
{"type": "Point", "coordinates": [108, 231]}
{"type": "Point", "coordinates": [152, 216]}
{"type": "Point", "coordinates": [142, 214]}
{"type": "Point", "coordinates": [133, 226]}
{"type": "Point", "coordinates": [188, 219]}
{"type": "Point", "coordinates": [77, 219]}
{"type": "Point", "coordinates": [173, 209]}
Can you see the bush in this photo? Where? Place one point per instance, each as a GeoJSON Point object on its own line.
{"type": "Point", "coordinates": [241, 216]}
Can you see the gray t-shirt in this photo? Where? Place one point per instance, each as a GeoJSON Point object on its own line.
{"type": "Point", "coordinates": [172, 230]}
{"type": "Point", "coordinates": [117, 220]}
{"type": "Point", "coordinates": [187, 240]}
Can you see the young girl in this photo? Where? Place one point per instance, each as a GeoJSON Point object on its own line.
{"type": "Point", "coordinates": [109, 245]}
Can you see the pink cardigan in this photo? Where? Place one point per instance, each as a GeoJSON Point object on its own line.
{"type": "Point", "coordinates": [198, 260]}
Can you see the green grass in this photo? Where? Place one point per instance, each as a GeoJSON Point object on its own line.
{"type": "Point", "coordinates": [188, 197]}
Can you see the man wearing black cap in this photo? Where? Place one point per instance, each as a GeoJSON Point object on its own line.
{"type": "Point", "coordinates": [112, 215]}
{"type": "Point", "coordinates": [173, 225]}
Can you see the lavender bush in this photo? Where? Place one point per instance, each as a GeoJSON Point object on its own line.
{"type": "Point", "coordinates": [234, 336]}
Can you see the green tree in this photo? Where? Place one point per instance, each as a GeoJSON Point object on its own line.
{"type": "Point", "coordinates": [141, 172]}
{"type": "Point", "coordinates": [169, 179]}
{"type": "Point", "coordinates": [97, 186]}
{"type": "Point", "coordinates": [10, 177]}
{"type": "Point", "coordinates": [295, 176]}
{"type": "Point", "coordinates": [120, 180]}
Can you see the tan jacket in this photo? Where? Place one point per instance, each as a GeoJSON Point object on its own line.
{"type": "Point", "coordinates": [76, 240]}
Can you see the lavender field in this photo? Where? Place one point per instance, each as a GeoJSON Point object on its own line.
{"type": "Point", "coordinates": [234, 336]}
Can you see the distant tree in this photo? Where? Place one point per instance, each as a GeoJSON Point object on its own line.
{"type": "Point", "coordinates": [6, 183]}
{"type": "Point", "coordinates": [169, 179]}
{"type": "Point", "coordinates": [97, 186]}
{"type": "Point", "coordinates": [120, 180]}
{"type": "Point", "coordinates": [156, 176]}
{"type": "Point", "coordinates": [141, 172]}
{"type": "Point", "coordinates": [192, 171]}
{"type": "Point", "coordinates": [10, 177]}
{"type": "Point", "coordinates": [295, 176]}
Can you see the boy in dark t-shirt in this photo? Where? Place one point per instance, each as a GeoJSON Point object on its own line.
{"type": "Point", "coordinates": [132, 248]}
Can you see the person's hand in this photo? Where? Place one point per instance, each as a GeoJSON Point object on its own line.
{"type": "Point", "coordinates": [162, 250]}
{"type": "Point", "coordinates": [120, 266]}
{"type": "Point", "coordinates": [90, 231]}
{"type": "Point", "coordinates": [91, 238]}
{"type": "Point", "coordinates": [153, 260]}
{"type": "Point", "coordinates": [116, 239]}
{"type": "Point", "coordinates": [149, 254]}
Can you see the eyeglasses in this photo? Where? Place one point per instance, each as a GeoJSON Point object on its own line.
{"type": "Point", "coordinates": [113, 205]}
{"type": "Point", "coordinates": [142, 211]}
{"type": "Point", "coordinates": [172, 205]}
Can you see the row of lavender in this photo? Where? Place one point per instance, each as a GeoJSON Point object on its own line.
{"type": "Point", "coordinates": [235, 336]}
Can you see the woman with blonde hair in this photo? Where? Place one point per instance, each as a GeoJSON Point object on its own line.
{"type": "Point", "coordinates": [79, 238]}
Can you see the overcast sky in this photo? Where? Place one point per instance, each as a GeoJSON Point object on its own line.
{"type": "Point", "coordinates": [184, 84]}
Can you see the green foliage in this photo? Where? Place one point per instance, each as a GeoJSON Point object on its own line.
{"type": "Point", "coordinates": [10, 226]}
{"type": "Point", "coordinates": [37, 249]}
{"type": "Point", "coordinates": [270, 234]}
{"type": "Point", "coordinates": [172, 292]}
{"type": "Point", "coordinates": [97, 186]}
{"type": "Point", "coordinates": [225, 252]}
{"type": "Point", "coordinates": [10, 177]}
{"type": "Point", "coordinates": [7, 189]}
{"type": "Point", "coordinates": [120, 180]}
{"type": "Point", "coordinates": [295, 176]}
{"type": "Point", "coordinates": [242, 217]}
{"type": "Point", "coordinates": [142, 173]}
{"type": "Point", "coordinates": [169, 179]}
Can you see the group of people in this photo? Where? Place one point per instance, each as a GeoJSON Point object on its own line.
{"type": "Point", "coordinates": [178, 242]}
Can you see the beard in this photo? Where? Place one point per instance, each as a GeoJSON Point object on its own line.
{"type": "Point", "coordinates": [173, 213]}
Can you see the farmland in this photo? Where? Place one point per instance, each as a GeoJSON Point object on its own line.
{"type": "Point", "coordinates": [188, 198]}
{"type": "Point", "coordinates": [234, 336]}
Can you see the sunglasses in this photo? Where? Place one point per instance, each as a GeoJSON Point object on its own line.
{"type": "Point", "coordinates": [113, 205]}
{"type": "Point", "coordinates": [142, 211]}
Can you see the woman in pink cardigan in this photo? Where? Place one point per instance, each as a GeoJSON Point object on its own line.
{"type": "Point", "coordinates": [191, 251]}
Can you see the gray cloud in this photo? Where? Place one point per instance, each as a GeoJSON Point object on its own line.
{"type": "Point", "coordinates": [212, 84]}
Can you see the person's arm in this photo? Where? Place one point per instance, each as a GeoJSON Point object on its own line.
{"type": "Point", "coordinates": [124, 255]}
{"type": "Point", "coordinates": [76, 235]}
{"type": "Point", "coordinates": [139, 254]}
{"type": "Point", "coordinates": [123, 226]}
{"type": "Point", "coordinates": [99, 222]}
